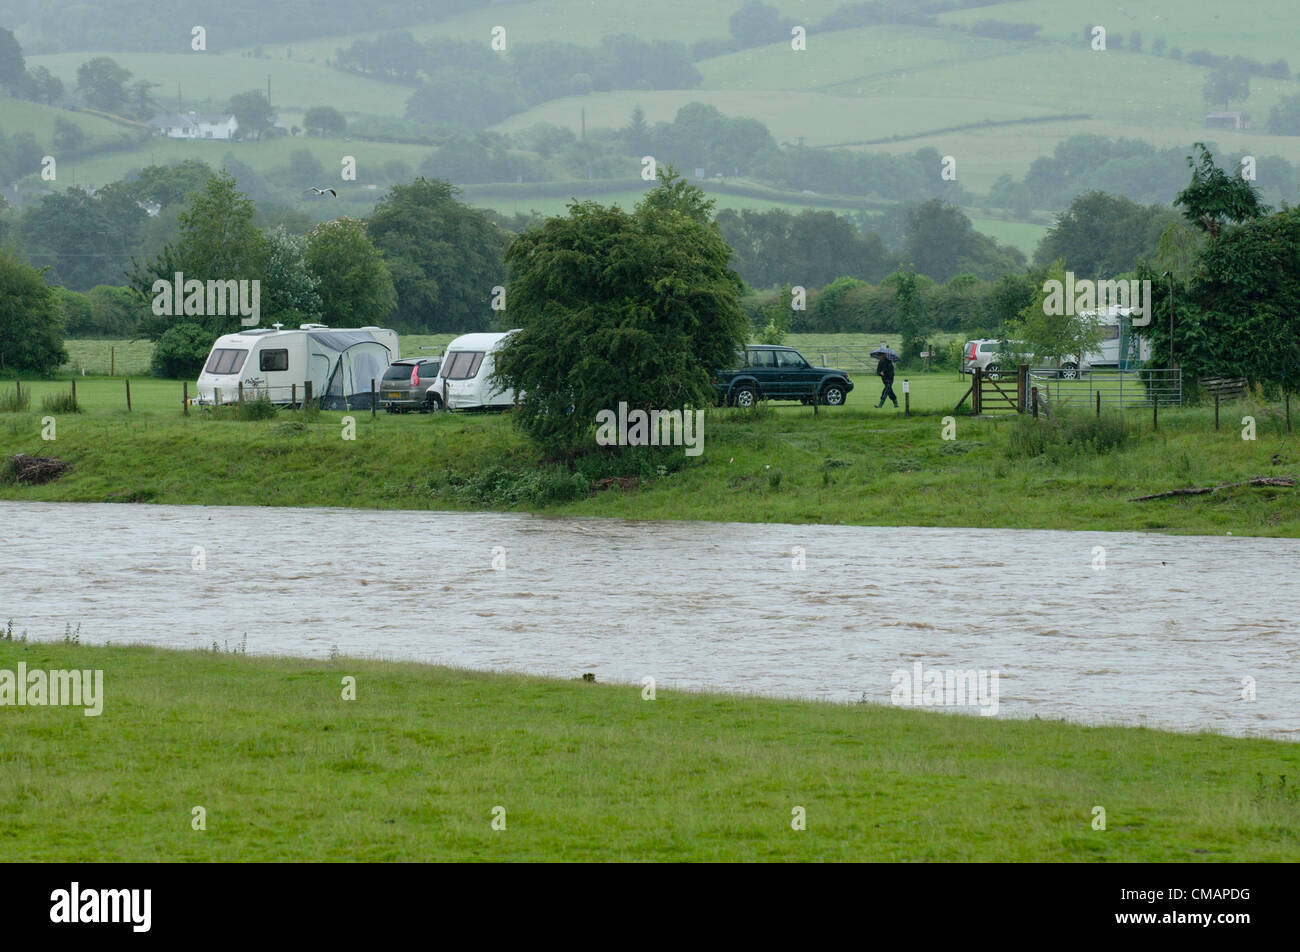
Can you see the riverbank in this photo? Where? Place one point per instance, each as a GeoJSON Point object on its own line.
{"type": "Point", "coordinates": [852, 465]}
{"type": "Point", "coordinates": [285, 769]}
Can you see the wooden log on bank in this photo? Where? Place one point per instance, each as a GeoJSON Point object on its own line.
{"type": "Point", "coordinates": [1201, 490]}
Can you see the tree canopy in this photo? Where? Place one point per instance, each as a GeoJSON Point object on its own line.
{"type": "Point", "coordinates": [617, 307]}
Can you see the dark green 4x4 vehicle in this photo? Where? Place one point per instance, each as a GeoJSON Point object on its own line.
{"type": "Point", "coordinates": [770, 372]}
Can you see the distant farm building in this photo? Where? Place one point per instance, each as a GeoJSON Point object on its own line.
{"type": "Point", "coordinates": [1227, 120]}
{"type": "Point", "coordinates": [175, 125]}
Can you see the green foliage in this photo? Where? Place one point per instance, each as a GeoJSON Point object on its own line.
{"type": "Point", "coordinates": [252, 112]}
{"type": "Point", "coordinates": [1244, 317]}
{"type": "Point", "coordinates": [444, 256]}
{"type": "Point", "coordinates": [1054, 336]}
{"type": "Point", "coordinates": [1101, 235]}
{"type": "Point", "coordinates": [615, 307]}
{"type": "Point", "coordinates": [102, 81]}
{"type": "Point", "coordinates": [64, 224]}
{"type": "Point", "coordinates": [1214, 198]}
{"type": "Point", "coordinates": [324, 121]}
{"type": "Point", "coordinates": [811, 248]}
{"type": "Point", "coordinates": [1225, 85]}
{"type": "Point", "coordinates": [181, 351]}
{"type": "Point", "coordinates": [1284, 118]}
{"type": "Point", "coordinates": [356, 288]}
{"type": "Point", "coordinates": [775, 318]}
{"type": "Point", "coordinates": [31, 328]}
{"type": "Point", "coordinates": [248, 410]}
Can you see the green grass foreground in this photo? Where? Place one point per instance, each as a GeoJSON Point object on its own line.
{"type": "Point", "coordinates": [286, 769]}
{"type": "Point", "coordinates": [852, 465]}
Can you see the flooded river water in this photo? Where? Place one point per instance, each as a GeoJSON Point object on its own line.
{"type": "Point", "coordinates": [1168, 631]}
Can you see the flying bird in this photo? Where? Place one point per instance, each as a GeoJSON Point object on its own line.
{"type": "Point", "coordinates": [323, 191]}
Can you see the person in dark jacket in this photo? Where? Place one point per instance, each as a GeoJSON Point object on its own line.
{"type": "Point", "coordinates": [885, 369]}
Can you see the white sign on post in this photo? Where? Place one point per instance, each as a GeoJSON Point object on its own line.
{"type": "Point", "coordinates": [905, 386]}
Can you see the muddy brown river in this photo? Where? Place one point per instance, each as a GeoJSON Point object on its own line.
{"type": "Point", "coordinates": [1168, 631]}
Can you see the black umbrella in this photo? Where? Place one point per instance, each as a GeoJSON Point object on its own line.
{"type": "Point", "coordinates": [886, 352]}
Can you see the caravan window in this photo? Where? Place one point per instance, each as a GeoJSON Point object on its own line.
{"type": "Point", "coordinates": [275, 360]}
{"type": "Point", "coordinates": [463, 365]}
{"type": "Point", "coordinates": [226, 360]}
{"type": "Point", "coordinates": [1110, 332]}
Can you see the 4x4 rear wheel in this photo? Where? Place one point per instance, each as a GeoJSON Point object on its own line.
{"type": "Point", "coordinates": [744, 397]}
{"type": "Point", "coordinates": [833, 395]}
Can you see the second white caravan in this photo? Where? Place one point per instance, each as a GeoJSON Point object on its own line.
{"type": "Point", "coordinates": [465, 380]}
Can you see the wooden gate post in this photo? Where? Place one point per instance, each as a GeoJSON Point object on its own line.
{"type": "Point", "coordinates": [1033, 399]}
{"type": "Point", "coordinates": [1022, 378]}
{"type": "Point", "coordinates": [185, 398]}
{"type": "Point", "coordinates": [978, 385]}
{"type": "Point", "coordinates": [128, 395]}
{"type": "Point", "coordinates": [306, 394]}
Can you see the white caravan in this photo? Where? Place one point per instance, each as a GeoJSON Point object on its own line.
{"type": "Point", "coordinates": [276, 364]}
{"type": "Point", "coordinates": [463, 380]}
{"type": "Point", "coordinates": [1120, 346]}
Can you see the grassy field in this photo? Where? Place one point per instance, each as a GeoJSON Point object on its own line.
{"type": "Point", "coordinates": [18, 116]}
{"type": "Point", "coordinates": [421, 762]}
{"type": "Point", "coordinates": [217, 75]}
{"type": "Point", "coordinates": [1266, 34]}
{"type": "Point", "coordinates": [853, 465]}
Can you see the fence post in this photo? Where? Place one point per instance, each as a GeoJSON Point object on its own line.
{"type": "Point", "coordinates": [1288, 411]}
{"type": "Point", "coordinates": [1022, 378]}
{"type": "Point", "coordinates": [976, 378]}
{"type": "Point", "coordinates": [1099, 404]}
{"type": "Point", "coordinates": [1033, 398]}
{"type": "Point", "coordinates": [112, 361]}
{"type": "Point", "coordinates": [216, 397]}
{"type": "Point", "coordinates": [74, 393]}
{"type": "Point", "coordinates": [1155, 409]}
{"type": "Point", "coordinates": [185, 398]}
{"type": "Point", "coordinates": [306, 393]}
{"type": "Point", "coordinates": [1216, 412]}
{"type": "Point", "coordinates": [374, 402]}
{"type": "Point", "coordinates": [128, 395]}
{"type": "Point", "coordinates": [293, 394]}
{"type": "Point", "coordinates": [241, 391]}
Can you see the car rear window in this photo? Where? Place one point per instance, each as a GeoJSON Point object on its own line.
{"type": "Point", "coordinates": [463, 364]}
{"type": "Point", "coordinates": [989, 348]}
{"type": "Point", "coordinates": [226, 360]}
{"type": "Point", "coordinates": [762, 358]}
{"type": "Point", "coordinates": [398, 372]}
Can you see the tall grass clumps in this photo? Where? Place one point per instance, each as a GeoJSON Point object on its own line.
{"type": "Point", "coordinates": [15, 400]}
{"type": "Point", "coordinates": [60, 403]}
{"type": "Point", "coordinates": [1070, 436]}
{"type": "Point", "coordinates": [251, 410]}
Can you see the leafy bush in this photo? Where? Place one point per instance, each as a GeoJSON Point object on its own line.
{"type": "Point", "coordinates": [260, 409]}
{"type": "Point", "coordinates": [180, 352]}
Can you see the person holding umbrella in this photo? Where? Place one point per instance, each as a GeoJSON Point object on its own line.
{"type": "Point", "coordinates": [885, 369]}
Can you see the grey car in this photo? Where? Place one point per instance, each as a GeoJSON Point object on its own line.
{"type": "Point", "coordinates": [397, 394]}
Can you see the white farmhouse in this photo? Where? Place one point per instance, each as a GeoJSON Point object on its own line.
{"type": "Point", "coordinates": [192, 125]}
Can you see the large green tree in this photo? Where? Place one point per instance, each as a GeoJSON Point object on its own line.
{"type": "Point", "coordinates": [1101, 235]}
{"type": "Point", "coordinates": [102, 81]}
{"type": "Point", "coordinates": [1214, 198]}
{"type": "Point", "coordinates": [445, 257]}
{"type": "Point", "coordinates": [31, 327]}
{"type": "Point", "coordinates": [617, 307]}
{"type": "Point", "coordinates": [355, 286]}
{"type": "Point", "coordinates": [253, 113]}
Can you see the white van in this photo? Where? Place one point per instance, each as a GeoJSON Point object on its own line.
{"type": "Point", "coordinates": [463, 380]}
{"type": "Point", "coordinates": [276, 364]}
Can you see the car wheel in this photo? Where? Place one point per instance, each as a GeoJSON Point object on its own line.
{"type": "Point", "coordinates": [993, 372]}
{"type": "Point", "coordinates": [833, 395]}
{"type": "Point", "coordinates": [744, 397]}
{"type": "Point", "coordinates": [1069, 371]}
